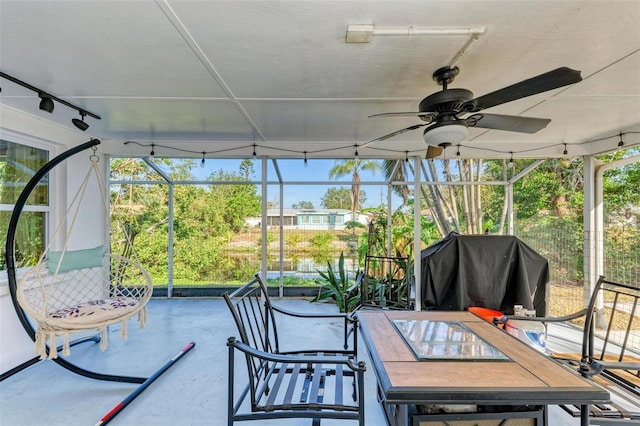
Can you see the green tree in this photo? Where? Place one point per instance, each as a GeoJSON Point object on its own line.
{"type": "Point", "coordinates": [353, 167]}
{"type": "Point", "coordinates": [246, 169]}
{"type": "Point", "coordinates": [233, 202]}
{"type": "Point", "coordinates": [340, 198]}
{"type": "Point", "coordinates": [375, 242]}
{"type": "Point", "coordinates": [302, 205]}
{"type": "Point", "coordinates": [204, 216]}
{"type": "Point", "coordinates": [136, 209]}
{"type": "Point", "coordinates": [321, 241]}
{"type": "Point", "coordinates": [621, 185]}
{"type": "Point", "coordinates": [397, 170]}
{"type": "Point", "coordinates": [293, 239]}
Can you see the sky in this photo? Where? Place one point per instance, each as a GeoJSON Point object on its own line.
{"type": "Point", "coordinates": [296, 171]}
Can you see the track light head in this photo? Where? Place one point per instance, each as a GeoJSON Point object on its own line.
{"type": "Point", "coordinates": [46, 103]}
{"type": "Point", "coordinates": [80, 124]}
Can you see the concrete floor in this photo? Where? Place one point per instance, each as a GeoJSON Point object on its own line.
{"type": "Point", "coordinates": [192, 392]}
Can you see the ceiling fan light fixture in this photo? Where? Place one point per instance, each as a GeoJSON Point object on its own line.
{"type": "Point", "coordinates": [451, 133]}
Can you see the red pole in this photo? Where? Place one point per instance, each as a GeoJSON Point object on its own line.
{"type": "Point", "coordinates": [115, 410]}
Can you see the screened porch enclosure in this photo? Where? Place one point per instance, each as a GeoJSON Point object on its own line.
{"type": "Point", "coordinates": [208, 225]}
{"type": "Point", "coordinates": [263, 236]}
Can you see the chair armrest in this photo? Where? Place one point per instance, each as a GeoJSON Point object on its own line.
{"type": "Point", "coordinates": [352, 291]}
{"type": "Point", "coordinates": [619, 365]}
{"type": "Point", "coordinates": [328, 352]}
{"type": "Point", "coordinates": [505, 318]}
{"type": "Point", "coordinates": [312, 315]}
{"type": "Point", "coordinates": [595, 367]}
{"type": "Point", "coordinates": [350, 324]}
{"type": "Point", "coordinates": [353, 287]}
{"type": "Point", "coordinates": [295, 359]}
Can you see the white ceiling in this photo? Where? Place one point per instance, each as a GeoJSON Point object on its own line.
{"type": "Point", "coordinates": [220, 76]}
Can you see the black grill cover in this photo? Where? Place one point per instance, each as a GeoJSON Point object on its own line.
{"type": "Point", "coordinates": [490, 271]}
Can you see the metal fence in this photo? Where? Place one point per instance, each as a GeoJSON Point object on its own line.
{"type": "Point", "coordinates": [564, 251]}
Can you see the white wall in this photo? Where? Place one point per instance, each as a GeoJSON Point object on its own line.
{"type": "Point", "coordinates": [15, 346]}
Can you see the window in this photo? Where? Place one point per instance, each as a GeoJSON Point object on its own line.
{"type": "Point", "coordinates": [18, 163]}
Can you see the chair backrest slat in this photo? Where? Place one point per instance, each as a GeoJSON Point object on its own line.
{"type": "Point", "coordinates": [255, 320]}
{"type": "Point", "coordinates": [621, 302]}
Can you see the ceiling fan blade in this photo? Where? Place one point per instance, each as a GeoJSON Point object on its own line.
{"type": "Point", "coordinates": [551, 80]}
{"type": "Point", "coordinates": [398, 132]}
{"type": "Point", "coordinates": [423, 115]}
{"type": "Point", "coordinates": [510, 123]}
{"type": "Point", "coordinates": [433, 152]}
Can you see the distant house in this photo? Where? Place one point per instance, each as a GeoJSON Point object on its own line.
{"type": "Point", "coordinates": [317, 219]}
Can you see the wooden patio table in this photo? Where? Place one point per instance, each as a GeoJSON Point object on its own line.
{"type": "Point", "coordinates": [407, 378]}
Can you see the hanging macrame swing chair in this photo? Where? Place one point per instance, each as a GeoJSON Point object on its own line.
{"type": "Point", "coordinates": [74, 290]}
{"type": "Point", "coordinates": [69, 291]}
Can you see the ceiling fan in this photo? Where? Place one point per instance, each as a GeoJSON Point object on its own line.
{"type": "Point", "coordinates": [444, 111]}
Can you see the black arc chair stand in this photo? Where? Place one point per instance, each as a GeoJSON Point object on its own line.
{"type": "Point", "coordinates": [143, 382]}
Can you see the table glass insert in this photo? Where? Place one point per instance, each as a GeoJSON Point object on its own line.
{"type": "Point", "coordinates": [449, 340]}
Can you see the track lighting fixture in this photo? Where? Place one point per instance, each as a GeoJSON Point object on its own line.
{"type": "Point", "coordinates": [47, 102]}
{"type": "Point", "coordinates": [510, 165]}
{"type": "Point", "coordinates": [81, 124]}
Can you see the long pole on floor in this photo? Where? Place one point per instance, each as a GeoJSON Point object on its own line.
{"type": "Point", "coordinates": [111, 414]}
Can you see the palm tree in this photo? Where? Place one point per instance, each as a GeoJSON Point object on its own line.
{"type": "Point", "coordinates": [397, 170]}
{"type": "Point", "coordinates": [353, 167]}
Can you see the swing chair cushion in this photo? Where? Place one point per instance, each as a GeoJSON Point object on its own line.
{"type": "Point", "coordinates": [76, 259]}
{"type": "Point", "coordinates": [97, 310]}
{"type": "Point", "coordinates": [83, 299]}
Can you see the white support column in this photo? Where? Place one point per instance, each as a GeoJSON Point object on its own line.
{"type": "Point", "coordinates": [106, 219]}
{"type": "Point", "coordinates": [170, 245]}
{"type": "Point", "coordinates": [598, 229]}
{"type": "Point", "coordinates": [417, 231]}
{"type": "Point", "coordinates": [281, 248]}
{"type": "Point", "coordinates": [590, 231]}
{"type": "Point", "coordinates": [263, 222]}
{"type": "Point", "coordinates": [598, 170]}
